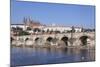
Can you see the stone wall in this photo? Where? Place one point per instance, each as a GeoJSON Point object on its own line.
{"type": "Point", "coordinates": [68, 39]}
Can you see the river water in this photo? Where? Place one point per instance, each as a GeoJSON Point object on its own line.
{"type": "Point", "coordinates": [36, 56]}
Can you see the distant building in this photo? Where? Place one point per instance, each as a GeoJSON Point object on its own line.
{"type": "Point", "coordinates": [36, 27]}
{"type": "Point", "coordinates": [61, 28]}
{"type": "Point", "coordinates": [56, 28]}
{"type": "Point", "coordinates": [19, 26]}
{"type": "Point", "coordinates": [44, 28]}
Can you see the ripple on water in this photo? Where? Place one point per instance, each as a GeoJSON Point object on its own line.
{"type": "Point", "coordinates": [34, 56]}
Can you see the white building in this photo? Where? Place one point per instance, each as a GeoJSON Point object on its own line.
{"type": "Point", "coordinates": [19, 25]}
{"type": "Point", "coordinates": [78, 29]}
{"type": "Point", "coordinates": [47, 28]}
{"type": "Point", "coordinates": [61, 28]}
{"type": "Point", "coordinates": [56, 28]}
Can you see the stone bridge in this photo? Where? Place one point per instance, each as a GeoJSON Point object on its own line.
{"type": "Point", "coordinates": [68, 39]}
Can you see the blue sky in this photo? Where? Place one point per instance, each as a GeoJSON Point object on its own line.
{"type": "Point", "coordinates": [60, 14]}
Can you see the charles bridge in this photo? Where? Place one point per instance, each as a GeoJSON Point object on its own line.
{"type": "Point", "coordinates": [67, 39]}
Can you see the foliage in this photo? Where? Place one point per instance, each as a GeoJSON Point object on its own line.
{"type": "Point", "coordinates": [37, 30]}
{"type": "Point", "coordinates": [28, 28]}
{"type": "Point", "coordinates": [23, 33]}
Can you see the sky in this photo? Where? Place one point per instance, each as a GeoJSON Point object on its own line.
{"type": "Point", "coordinates": [50, 13]}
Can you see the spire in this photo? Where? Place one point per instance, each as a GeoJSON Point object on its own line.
{"type": "Point", "coordinates": [25, 20]}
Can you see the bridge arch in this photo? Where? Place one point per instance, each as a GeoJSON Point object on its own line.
{"type": "Point", "coordinates": [36, 39]}
{"type": "Point", "coordinates": [26, 39]}
{"type": "Point", "coordinates": [11, 39]}
{"type": "Point", "coordinates": [49, 39]}
{"type": "Point", "coordinates": [84, 40]}
{"type": "Point", "coordinates": [65, 40]}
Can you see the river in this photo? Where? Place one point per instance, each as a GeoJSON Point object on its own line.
{"type": "Point", "coordinates": [36, 56]}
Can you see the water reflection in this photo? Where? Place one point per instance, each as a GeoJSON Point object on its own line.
{"type": "Point", "coordinates": [33, 56]}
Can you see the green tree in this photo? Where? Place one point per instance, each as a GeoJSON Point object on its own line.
{"type": "Point", "coordinates": [37, 30]}
{"type": "Point", "coordinates": [23, 33]}
{"type": "Point", "coordinates": [28, 28]}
